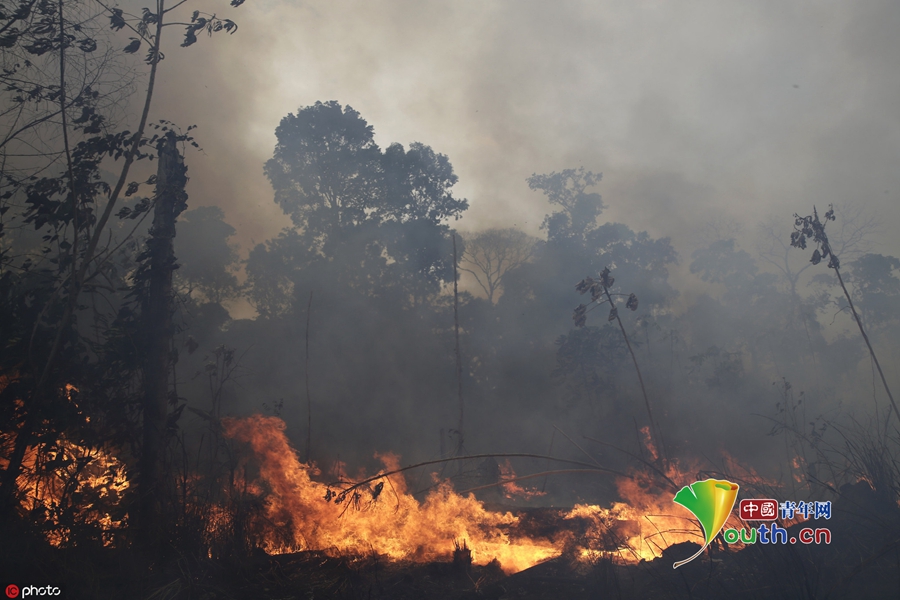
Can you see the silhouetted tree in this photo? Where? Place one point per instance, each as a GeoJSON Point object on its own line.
{"type": "Point", "coordinates": [208, 262]}
{"type": "Point", "coordinates": [370, 220]}
{"type": "Point", "coordinates": [811, 228]}
{"type": "Point", "coordinates": [495, 252]}
{"type": "Point", "coordinates": [61, 96]}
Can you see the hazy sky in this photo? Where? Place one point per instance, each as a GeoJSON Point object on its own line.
{"type": "Point", "coordinates": [691, 109]}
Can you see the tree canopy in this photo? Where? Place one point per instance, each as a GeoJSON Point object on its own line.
{"type": "Point", "coordinates": [370, 219]}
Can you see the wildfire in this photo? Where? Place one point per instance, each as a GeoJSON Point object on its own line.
{"type": "Point", "coordinates": [70, 486]}
{"type": "Point", "coordinates": [277, 504]}
{"type": "Point", "coordinates": [385, 518]}
{"type": "Point", "coordinates": [64, 485]}
{"type": "Point", "coordinates": [511, 489]}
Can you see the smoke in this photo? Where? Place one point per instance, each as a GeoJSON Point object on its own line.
{"type": "Point", "coordinates": [770, 107]}
{"type": "Point", "coordinates": [696, 114]}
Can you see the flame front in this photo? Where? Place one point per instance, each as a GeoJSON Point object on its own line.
{"type": "Point", "coordinates": [388, 520]}
{"type": "Point", "coordinates": [274, 503]}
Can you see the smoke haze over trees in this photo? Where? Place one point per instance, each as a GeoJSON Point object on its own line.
{"type": "Point", "coordinates": [311, 274]}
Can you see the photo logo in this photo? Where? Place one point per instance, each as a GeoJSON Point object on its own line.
{"type": "Point", "coordinates": [711, 501]}
{"type": "Point", "coordinates": [13, 591]}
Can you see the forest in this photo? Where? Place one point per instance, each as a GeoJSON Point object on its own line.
{"type": "Point", "coordinates": [357, 377]}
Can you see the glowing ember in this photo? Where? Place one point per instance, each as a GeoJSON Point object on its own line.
{"type": "Point", "coordinates": [72, 486]}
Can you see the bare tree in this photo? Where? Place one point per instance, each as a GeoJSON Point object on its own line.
{"type": "Point", "coordinates": [157, 271]}
{"type": "Point", "coordinates": [493, 253]}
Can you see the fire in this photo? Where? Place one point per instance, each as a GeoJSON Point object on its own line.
{"type": "Point", "coordinates": [71, 485]}
{"type": "Point", "coordinates": [646, 522]}
{"type": "Point", "coordinates": [63, 485]}
{"type": "Point", "coordinates": [277, 504]}
{"type": "Point", "coordinates": [511, 489]}
{"type": "Point", "coordinates": [383, 517]}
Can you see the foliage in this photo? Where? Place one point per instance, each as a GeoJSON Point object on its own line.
{"type": "Point", "coordinates": [71, 283]}
{"type": "Point", "coordinates": [365, 220]}
{"type": "Point", "coordinates": [207, 260]}
{"type": "Point", "coordinates": [877, 288]}
{"type": "Point", "coordinates": [580, 209]}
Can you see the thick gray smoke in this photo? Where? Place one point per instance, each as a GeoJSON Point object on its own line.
{"type": "Point", "coordinates": [712, 123]}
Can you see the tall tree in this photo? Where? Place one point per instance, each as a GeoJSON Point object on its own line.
{"type": "Point", "coordinates": [208, 261]}
{"type": "Point", "coordinates": [812, 229]}
{"type": "Point", "coordinates": [63, 193]}
{"type": "Point", "coordinates": [325, 168]}
{"type": "Point", "coordinates": [371, 220]}
{"type": "Point", "coordinates": [156, 275]}
{"type": "Point", "coordinates": [876, 284]}
{"type": "Point", "coordinates": [578, 208]}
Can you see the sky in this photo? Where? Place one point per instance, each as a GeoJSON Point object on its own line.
{"type": "Point", "coordinates": [695, 111]}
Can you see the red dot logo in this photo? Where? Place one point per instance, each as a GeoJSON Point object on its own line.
{"type": "Point", "coordinates": [12, 591]}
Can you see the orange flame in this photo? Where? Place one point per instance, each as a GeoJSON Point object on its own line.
{"type": "Point", "coordinates": [64, 484]}
{"type": "Point", "coordinates": [390, 521]}
{"type": "Point", "coordinates": [511, 489]}
{"type": "Point", "coordinates": [92, 481]}
{"type": "Point", "coordinates": [385, 518]}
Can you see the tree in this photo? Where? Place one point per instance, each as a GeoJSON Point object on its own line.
{"type": "Point", "coordinates": [65, 197]}
{"type": "Point", "coordinates": [156, 274]}
{"type": "Point", "coordinates": [369, 220]}
{"type": "Point", "coordinates": [754, 315]}
{"type": "Point", "coordinates": [876, 284]}
{"type": "Point", "coordinates": [495, 252]}
{"type": "Point", "coordinates": [851, 241]}
{"type": "Point", "coordinates": [580, 209]}
{"type": "Point", "coordinates": [325, 168]}
{"type": "Point", "coordinates": [371, 240]}
{"type": "Point", "coordinates": [599, 290]}
{"type": "Point", "coordinates": [811, 228]}
{"type": "Point", "coordinates": [723, 262]}
{"type": "Point", "coordinates": [536, 303]}
{"type": "Point", "coordinates": [56, 62]}
{"type": "Point", "coordinates": [207, 260]}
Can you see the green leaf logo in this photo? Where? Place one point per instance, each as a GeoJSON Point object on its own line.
{"type": "Point", "coordinates": [711, 502]}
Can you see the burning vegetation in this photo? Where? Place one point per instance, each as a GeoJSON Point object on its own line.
{"type": "Point", "coordinates": [283, 506]}
{"type": "Point", "coordinates": [382, 516]}
{"type": "Point", "coordinates": [273, 502]}
{"type": "Point", "coordinates": [134, 458]}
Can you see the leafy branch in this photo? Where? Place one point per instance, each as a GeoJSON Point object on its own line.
{"type": "Point", "coordinates": [811, 228]}
{"type": "Point", "coordinates": [599, 289]}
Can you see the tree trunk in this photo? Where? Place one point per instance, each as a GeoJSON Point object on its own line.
{"type": "Point", "coordinates": [157, 316]}
{"type": "Point", "coordinates": [459, 393]}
